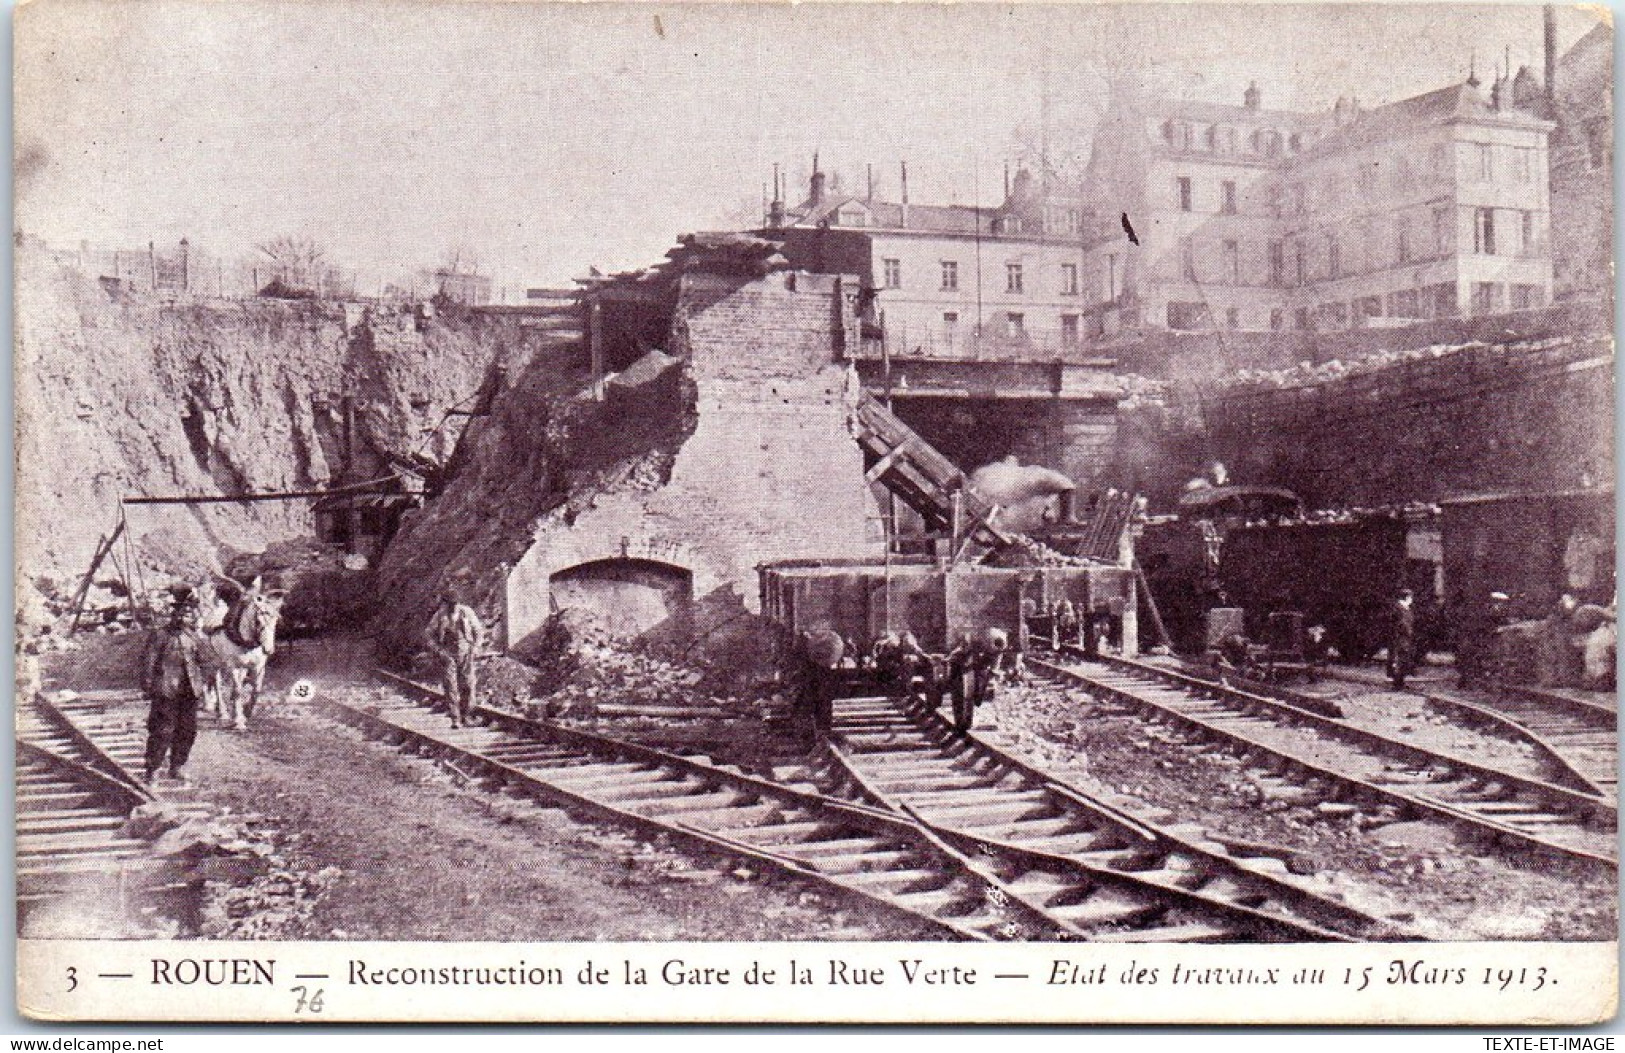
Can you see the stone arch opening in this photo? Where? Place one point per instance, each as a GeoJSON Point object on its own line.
{"type": "Point", "coordinates": [625, 597]}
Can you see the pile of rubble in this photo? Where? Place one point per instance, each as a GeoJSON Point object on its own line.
{"type": "Point", "coordinates": [1023, 551]}
{"type": "Point", "coordinates": [577, 671]}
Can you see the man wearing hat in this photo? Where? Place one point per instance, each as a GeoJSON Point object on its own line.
{"type": "Point", "coordinates": [456, 636]}
{"type": "Point", "coordinates": [1475, 651]}
{"type": "Point", "coordinates": [172, 677]}
{"type": "Point", "coordinates": [1402, 639]}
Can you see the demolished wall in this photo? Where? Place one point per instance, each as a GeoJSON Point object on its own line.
{"type": "Point", "coordinates": [770, 472]}
{"type": "Point", "coordinates": [122, 394]}
{"type": "Point", "coordinates": [739, 451]}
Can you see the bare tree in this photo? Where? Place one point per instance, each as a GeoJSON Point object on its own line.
{"type": "Point", "coordinates": [298, 262]}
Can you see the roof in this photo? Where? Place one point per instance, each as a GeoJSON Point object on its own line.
{"type": "Point", "coordinates": [1225, 113]}
{"type": "Point", "coordinates": [962, 219]}
{"type": "Point", "coordinates": [1452, 103]}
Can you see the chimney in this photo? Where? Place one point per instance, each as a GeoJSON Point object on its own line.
{"type": "Point", "coordinates": [870, 169]}
{"type": "Point", "coordinates": [1252, 98]}
{"type": "Point", "coordinates": [904, 220]}
{"type": "Point", "coordinates": [775, 212]}
{"type": "Point", "coordinates": [815, 195]}
{"type": "Point", "coordinates": [1472, 70]}
{"type": "Point", "coordinates": [1007, 180]}
{"type": "Point", "coordinates": [1550, 40]}
{"type": "Point", "coordinates": [1342, 111]}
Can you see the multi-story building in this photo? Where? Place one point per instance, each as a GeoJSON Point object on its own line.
{"type": "Point", "coordinates": [952, 281]}
{"type": "Point", "coordinates": [1248, 218]}
{"type": "Point", "coordinates": [1581, 83]}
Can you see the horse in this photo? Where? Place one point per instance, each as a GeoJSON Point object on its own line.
{"type": "Point", "coordinates": [237, 652]}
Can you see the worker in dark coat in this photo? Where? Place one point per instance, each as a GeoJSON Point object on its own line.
{"type": "Point", "coordinates": [1475, 652]}
{"type": "Point", "coordinates": [822, 651]}
{"type": "Point", "coordinates": [172, 679]}
{"type": "Point", "coordinates": [456, 636]}
{"type": "Point", "coordinates": [1402, 639]}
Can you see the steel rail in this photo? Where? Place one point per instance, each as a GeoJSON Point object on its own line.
{"type": "Point", "coordinates": [1085, 877]}
{"type": "Point", "coordinates": [1280, 759]}
{"type": "Point", "coordinates": [1588, 806]}
{"type": "Point", "coordinates": [1311, 916]}
{"type": "Point", "coordinates": [982, 909]}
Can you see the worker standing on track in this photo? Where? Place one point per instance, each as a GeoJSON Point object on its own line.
{"type": "Point", "coordinates": [172, 678]}
{"type": "Point", "coordinates": [456, 636]}
{"type": "Point", "coordinates": [1402, 640]}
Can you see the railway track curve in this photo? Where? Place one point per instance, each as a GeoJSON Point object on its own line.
{"type": "Point", "coordinates": [1096, 864]}
{"type": "Point", "coordinates": [1357, 764]}
{"type": "Point", "coordinates": [965, 886]}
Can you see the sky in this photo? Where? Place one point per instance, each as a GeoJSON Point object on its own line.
{"type": "Point", "coordinates": [550, 138]}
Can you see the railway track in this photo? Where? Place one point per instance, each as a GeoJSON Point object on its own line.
{"type": "Point", "coordinates": [72, 810]}
{"type": "Point", "coordinates": [1580, 736]}
{"type": "Point", "coordinates": [1583, 737]}
{"type": "Point", "coordinates": [854, 849]}
{"type": "Point", "coordinates": [1113, 876]}
{"type": "Point", "coordinates": [966, 887]}
{"type": "Point", "coordinates": [1342, 761]}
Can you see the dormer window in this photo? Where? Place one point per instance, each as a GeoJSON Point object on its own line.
{"type": "Point", "coordinates": [852, 217]}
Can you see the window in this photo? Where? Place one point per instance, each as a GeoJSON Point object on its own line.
{"type": "Point", "coordinates": [1444, 300]}
{"type": "Point", "coordinates": [1277, 263]}
{"type": "Point", "coordinates": [1334, 258]}
{"type": "Point", "coordinates": [1368, 307]}
{"type": "Point", "coordinates": [1111, 277]}
{"type": "Point", "coordinates": [853, 217]}
{"type": "Point", "coordinates": [1228, 207]}
{"type": "Point", "coordinates": [1300, 318]}
{"type": "Point", "coordinates": [1486, 297]}
{"type": "Point", "coordinates": [950, 325]}
{"type": "Point", "coordinates": [1277, 319]}
{"type": "Point", "coordinates": [950, 275]}
{"type": "Point", "coordinates": [1406, 303]}
{"type": "Point", "coordinates": [1596, 133]}
{"type": "Point", "coordinates": [1187, 260]}
{"type": "Point", "coordinates": [1438, 160]}
{"type": "Point", "coordinates": [1524, 166]}
{"type": "Point", "coordinates": [1301, 263]}
{"type": "Point", "coordinates": [1069, 330]}
{"type": "Point", "coordinates": [1188, 316]}
{"type": "Point", "coordinates": [1526, 296]}
{"type": "Point", "coordinates": [1184, 193]}
{"type": "Point", "coordinates": [1526, 231]}
{"type": "Point", "coordinates": [892, 273]}
{"type": "Point", "coordinates": [1232, 318]}
{"type": "Point", "coordinates": [1484, 231]}
{"type": "Point", "coordinates": [1015, 325]}
{"type": "Point", "coordinates": [1232, 263]}
{"type": "Point", "coordinates": [1442, 234]}
{"type": "Point", "coordinates": [1069, 279]}
{"type": "Point", "coordinates": [1486, 162]}
{"type": "Point", "coordinates": [1402, 248]}
{"type": "Point", "coordinates": [1012, 278]}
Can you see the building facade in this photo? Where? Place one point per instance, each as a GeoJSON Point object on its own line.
{"type": "Point", "coordinates": [1254, 219]}
{"type": "Point", "coordinates": [953, 281]}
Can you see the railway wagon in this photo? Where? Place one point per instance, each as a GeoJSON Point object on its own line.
{"type": "Point", "coordinates": [862, 601]}
{"type": "Point", "coordinates": [1342, 575]}
{"type": "Point", "coordinates": [1534, 547]}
